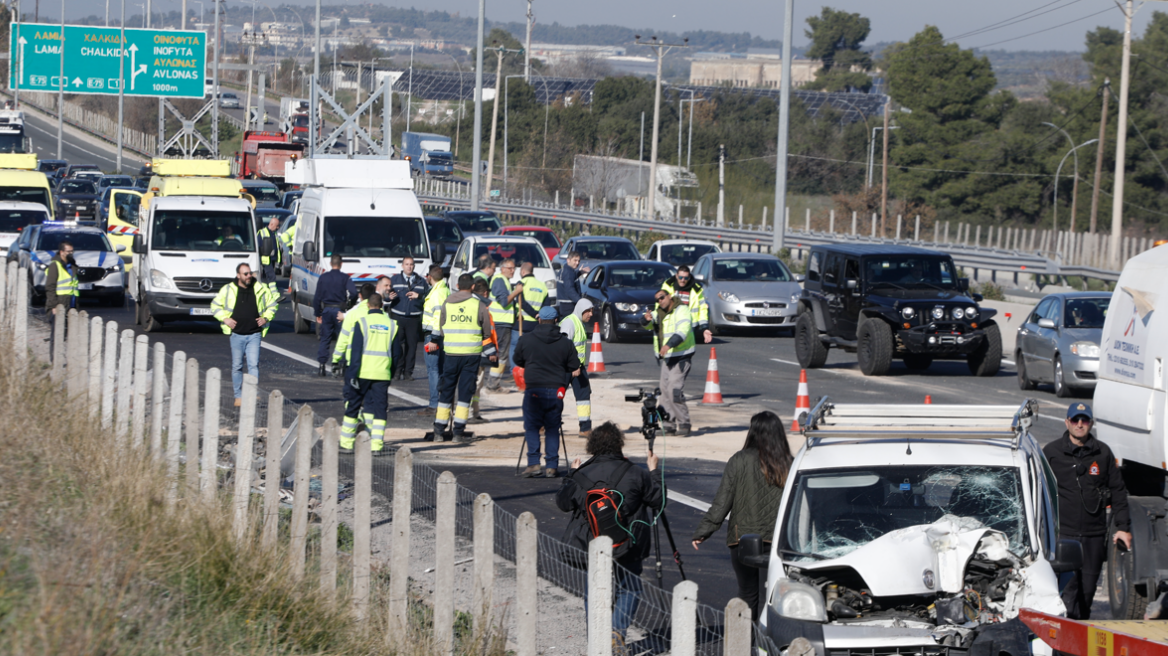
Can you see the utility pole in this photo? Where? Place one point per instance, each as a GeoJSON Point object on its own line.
{"type": "Point", "coordinates": [784, 130]}
{"type": "Point", "coordinates": [721, 184]}
{"type": "Point", "coordinates": [884, 173]}
{"type": "Point", "coordinates": [1106, 92]}
{"type": "Point", "coordinates": [661, 49]}
{"type": "Point", "coordinates": [122, 86]}
{"type": "Point", "coordinates": [313, 109]}
{"type": "Point", "coordinates": [499, 52]}
{"type": "Point", "coordinates": [477, 154]}
{"type": "Point", "coordinates": [527, 48]}
{"type": "Point", "coordinates": [61, 90]}
{"type": "Point", "coordinates": [1120, 143]}
{"type": "Point", "coordinates": [410, 90]}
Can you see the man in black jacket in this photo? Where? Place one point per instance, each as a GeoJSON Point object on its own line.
{"type": "Point", "coordinates": [643, 500]}
{"type": "Point", "coordinates": [549, 362]}
{"type": "Point", "coordinates": [1088, 483]}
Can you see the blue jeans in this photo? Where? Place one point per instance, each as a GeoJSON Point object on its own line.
{"type": "Point", "coordinates": [434, 362]}
{"type": "Point", "coordinates": [244, 346]}
{"type": "Point", "coordinates": [511, 350]}
{"type": "Point", "coordinates": [626, 594]}
{"type": "Point", "coordinates": [542, 409]}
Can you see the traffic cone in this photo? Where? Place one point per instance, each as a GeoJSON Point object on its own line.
{"type": "Point", "coordinates": [802, 400]}
{"type": "Point", "coordinates": [928, 399]}
{"type": "Point", "coordinates": [713, 395]}
{"type": "Point", "coordinates": [596, 358]}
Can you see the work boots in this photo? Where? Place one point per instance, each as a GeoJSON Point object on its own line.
{"type": "Point", "coordinates": [534, 471]}
{"type": "Point", "coordinates": [683, 430]}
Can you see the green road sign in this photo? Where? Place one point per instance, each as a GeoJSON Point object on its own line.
{"type": "Point", "coordinates": [167, 63]}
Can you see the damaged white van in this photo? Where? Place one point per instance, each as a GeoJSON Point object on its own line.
{"type": "Point", "coordinates": [913, 529]}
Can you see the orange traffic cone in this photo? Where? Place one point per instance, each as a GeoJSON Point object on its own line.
{"type": "Point", "coordinates": [596, 358]}
{"type": "Point", "coordinates": [713, 395]}
{"type": "Point", "coordinates": [928, 399]}
{"type": "Point", "coordinates": [802, 400]}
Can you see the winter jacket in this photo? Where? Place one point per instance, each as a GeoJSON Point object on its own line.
{"type": "Point", "coordinates": [644, 497]}
{"type": "Point", "coordinates": [547, 357]}
{"type": "Point", "coordinates": [1085, 474]}
{"type": "Point", "coordinates": [747, 496]}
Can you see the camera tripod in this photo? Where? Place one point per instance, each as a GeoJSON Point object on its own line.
{"type": "Point", "coordinates": [664, 521]}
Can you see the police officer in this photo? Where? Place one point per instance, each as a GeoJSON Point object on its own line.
{"type": "Point", "coordinates": [369, 371]}
{"type": "Point", "coordinates": [535, 294]}
{"type": "Point", "coordinates": [568, 283]}
{"type": "Point", "coordinates": [673, 341]}
{"type": "Point", "coordinates": [407, 308]}
{"type": "Point", "coordinates": [503, 314]}
{"type": "Point", "coordinates": [269, 258]}
{"type": "Point", "coordinates": [573, 326]}
{"type": "Point", "coordinates": [464, 334]}
{"type": "Point", "coordinates": [689, 291]}
{"type": "Point", "coordinates": [439, 292]}
{"type": "Point", "coordinates": [335, 292]}
{"type": "Point", "coordinates": [1088, 482]}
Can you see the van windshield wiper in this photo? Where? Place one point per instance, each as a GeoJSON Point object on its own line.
{"type": "Point", "coordinates": [890, 284]}
{"type": "Point", "coordinates": [791, 552]}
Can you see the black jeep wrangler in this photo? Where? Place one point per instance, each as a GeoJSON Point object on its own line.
{"type": "Point", "coordinates": [885, 302]}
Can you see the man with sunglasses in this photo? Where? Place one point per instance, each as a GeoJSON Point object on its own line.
{"type": "Point", "coordinates": [673, 342]}
{"type": "Point", "coordinates": [1089, 482]}
{"type": "Point", "coordinates": [689, 292]}
{"type": "Point", "coordinates": [246, 310]}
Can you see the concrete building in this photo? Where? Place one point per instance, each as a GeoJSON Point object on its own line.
{"type": "Point", "coordinates": [756, 71]}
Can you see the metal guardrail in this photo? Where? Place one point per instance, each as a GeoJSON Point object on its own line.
{"type": "Point", "coordinates": [755, 237]}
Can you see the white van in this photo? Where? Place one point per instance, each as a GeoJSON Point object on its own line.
{"type": "Point", "coordinates": [365, 211]}
{"type": "Point", "coordinates": [16, 217]}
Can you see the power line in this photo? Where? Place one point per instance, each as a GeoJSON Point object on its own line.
{"type": "Point", "coordinates": [1055, 27]}
{"type": "Point", "coordinates": [1141, 133]}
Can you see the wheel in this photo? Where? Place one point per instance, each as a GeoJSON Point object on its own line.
{"type": "Point", "coordinates": [608, 327]}
{"type": "Point", "coordinates": [299, 325]}
{"type": "Point", "coordinates": [1024, 382]}
{"type": "Point", "coordinates": [987, 359]}
{"type": "Point", "coordinates": [874, 350]}
{"type": "Point", "coordinates": [809, 349]}
{"type": "Point", "coordinates": [1061, 389]}
{"type": "Point", "coordinates": [1127, 603]}
{"type": "Point", "coordinates": [917, 361]}
{"type": "Point", "coordinates": [149, 323]}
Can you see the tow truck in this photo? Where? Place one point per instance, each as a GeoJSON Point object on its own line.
{"type": "Point", "coordinates": [1098, 638]}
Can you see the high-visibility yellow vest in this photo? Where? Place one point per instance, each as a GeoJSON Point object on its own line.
{"type": "Point", "coordinates": [677, 322]}
{"type": "Point", "coordinates": [377, 333]}
{"type": "Point", "coordinates": [66, 282]}
{"type": "Point", "coordinates": [433, 305]}
{"type": "Point", "coordinates": [579, 336]}
{"type": "Point", "coordinates": [534, 293]}
{"type": "Point", "coordinates": [480, 275]}
{"type": "Point", "coordinates": [348, 325]}
{"type": "Point", "coordinates": [462, 334]}
{"type": "Point", "coordinates": [224, 305]}
{"type": "Point", "coordinates": [698, 307]}
{"type": "Point", "coordinates": [502, 314]}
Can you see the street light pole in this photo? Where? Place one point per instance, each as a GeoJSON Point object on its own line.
{"type": "Point", "coordinates": [477, 155]}
{"type": "Point", "coordinates": [784, 129]}
{"type": "Point", "coordinates": [661, 49]}
{"type": "Point", "coordinates": [1054, 223]}
{"type": "Point", "coordinates": [1075, 189]}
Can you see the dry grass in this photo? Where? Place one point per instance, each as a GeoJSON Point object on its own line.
{"type": "Point", "coordinates": [92, 562]}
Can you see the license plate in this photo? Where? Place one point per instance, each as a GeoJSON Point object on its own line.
{"type": "Point", "coordinates": [772, 312]}
{"type": "Point", "coordinates": [201, 312]}
{"type": "Point", "coordinates": [85, 286]}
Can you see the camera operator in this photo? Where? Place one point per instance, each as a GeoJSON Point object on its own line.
{"type": "Point", "coordinates": [643, 495]}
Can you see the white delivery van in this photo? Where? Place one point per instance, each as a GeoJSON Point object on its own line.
{"type": "Point", "coordinates": [365, 211]}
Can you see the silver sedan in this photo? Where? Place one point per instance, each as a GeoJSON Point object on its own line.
{"type": "Point", "coordinates": [748, 291]}
{"type": "Point", "coordinates": [1059, 342]}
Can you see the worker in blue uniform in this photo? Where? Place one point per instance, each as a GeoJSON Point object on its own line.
{"type": "Point", "coordinates": [335, 293]}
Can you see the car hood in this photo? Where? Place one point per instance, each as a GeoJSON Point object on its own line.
{"type": "Point", "coordinates": [83, 258]}
{"type": "Point", "coordinates": [641, 296]}
{"type": "Point", "coordinates": [920, 294]}
{"type": "Point", "coordinates": [753, 289]}
{"type": "Point", "coordinates": [1094, 335]}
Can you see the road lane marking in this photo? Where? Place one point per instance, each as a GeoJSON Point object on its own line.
{"type": "Point", "coordinates": [687, 500]}
{"type": "Point", "coordinates": [830, 371]}
{"type": "Point", "coordinates": [416, 400]}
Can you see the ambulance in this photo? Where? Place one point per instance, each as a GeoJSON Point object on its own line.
{"type": "Point", "coordinates": [194, 226]}
{"type": "Point", "coordinates": [21, 181]}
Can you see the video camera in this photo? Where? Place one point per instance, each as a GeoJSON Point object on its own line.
{"type": "Point", "coordinates": [651, 413]}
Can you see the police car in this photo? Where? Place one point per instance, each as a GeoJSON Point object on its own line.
{"type": "Point", "coordinates": [100, 272]}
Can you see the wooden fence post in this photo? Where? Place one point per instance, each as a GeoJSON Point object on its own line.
{"type": "Point", "coordinates": [328, 507]}
{"type": "Point", "coordinates": [526, 583]}
{"type": "Point", "coordinates": [739, 629]}
{"type": "Point", "coordinates": [109, 375]}
{"type": "Point", "coordinates": [484, 561]}
{"type": "Point", "coordinates": [191, 417]}
{"type": "Point", "coordinates": [95, 334]}
{"type": "Point", "coordinates": [174, 427]}
{"type": "Point", "coordinates": [600, 596]}
{"type": "Point", "coordinates": [683, 639]}
{"type": "Point", "coordinates": [272, 469]}
{"type": "Point", "coordinates": [157, 399]}
{"type": "Point", "coordinates": [300, 491]}
{"type": "Point", "coordinates": [399, 564]}
{"type": "Point", "coordinates": [209, 474]}
{"type": "Point", "coordinates": [138, 411]}
{"type": "Point", "coordinates": [362, 500]}
{"type": "Point", "coordinates": [125, 386]}
{"type": "Point", "coordinates": [243, 454]}
{"type": "Point", "coordinates": [444, 563]}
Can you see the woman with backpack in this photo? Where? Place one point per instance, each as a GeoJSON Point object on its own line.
{"type": "Point", "coordinates": [750, 492]}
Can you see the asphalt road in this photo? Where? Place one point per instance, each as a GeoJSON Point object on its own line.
{"type": "Point", "coordinates": [75, 148]}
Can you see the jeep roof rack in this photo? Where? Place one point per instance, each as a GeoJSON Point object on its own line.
{"type": "Point", "coordinates": [866, 420]}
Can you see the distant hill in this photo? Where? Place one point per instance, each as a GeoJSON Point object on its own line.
{"type": "Point", "coordinates": [1026, 72]}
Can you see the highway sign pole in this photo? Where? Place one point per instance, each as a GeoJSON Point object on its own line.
{"type": "Point", "coordinates": [61, 88]}
{"type": "Point", "coordinates": [215, 86]}
{"type": "Point", "coordinates": [784, 128]}
{"type": "Point", "coordinates": [122, 85]}
{"type": "Point", "coordinates": [476, 154]}
{"type": "Point", "coordinates": [313, 110]}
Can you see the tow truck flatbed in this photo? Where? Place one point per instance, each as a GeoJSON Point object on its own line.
{"type": "Point", "coordinates": [1099, 638]}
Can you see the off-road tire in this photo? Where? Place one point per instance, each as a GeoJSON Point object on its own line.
{"type": "Point", "coordinates": [1126, 601]}
{"type": "Point", "coordinates": [809, 349]}
{"type": "Point", "coordinates": [917, 361]}
{"type": "Point", "coordinates": [987, 359]}
{"type": "Point", "coordinates": [1024, 382]}
{"type": "Point", "coordinates": [608, 331]}
{"type": "Point", "coordinates": [874, 347]}
{"type": "Point", "coordinates": [1061, 389]}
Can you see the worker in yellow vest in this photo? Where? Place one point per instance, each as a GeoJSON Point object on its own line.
{"type": "Point", "coordinates": [574, 327]}
{"type": "Point", "coordinates": [535, 294]}
{"type": "Point", "coordinates": [464, 334]}
{"type": "Point", "coordinates": [503, 297]}
{"type": "Point", "coordinates": [439, 292]}
{"type": "Point", "coordinates": [370, 364]}
{"type": "Point", "coordinates": [673, 342]}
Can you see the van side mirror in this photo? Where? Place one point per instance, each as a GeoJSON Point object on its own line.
{"type": "Point", "coordinates": [438, 252]}
{"type": "Point", "coordinates": [1068, 556]}
{"type": "Point", "coordinates": [309, 251]}
{"type": "Point", "coordinates": [138, 246]}
{"type": "Point", "coordinates": [751, 551]}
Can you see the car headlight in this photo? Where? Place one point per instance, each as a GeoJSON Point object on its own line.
{"type": "Point", "coordinates": [626, 307]}
{"type": "Point", "coordinates": [41, 266]}
{"type": "Point", "coordinates": [160, 280]}
{"type": "Point", "coordinates": [908, 312]}
{"type": "Point", "coordinates": [938, 313]}
{"type": "Point", "coordinates": [958, 314]}
{"type": "Point", "coordinates": [799, 601]}
{"type": "Point", "coordinates": [1085, 349]}
{"type": "Point", "coordinates": [971, 313]}
{"type": "Point", "coordinates": [729, 297]}
{"type": "Point", "coordinates": [796, 297]}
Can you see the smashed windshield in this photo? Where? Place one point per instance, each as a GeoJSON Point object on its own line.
{"type": "Point", "coordinates": [836, 511]}
{"type": "Point", "coordinates": [910, 271]}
